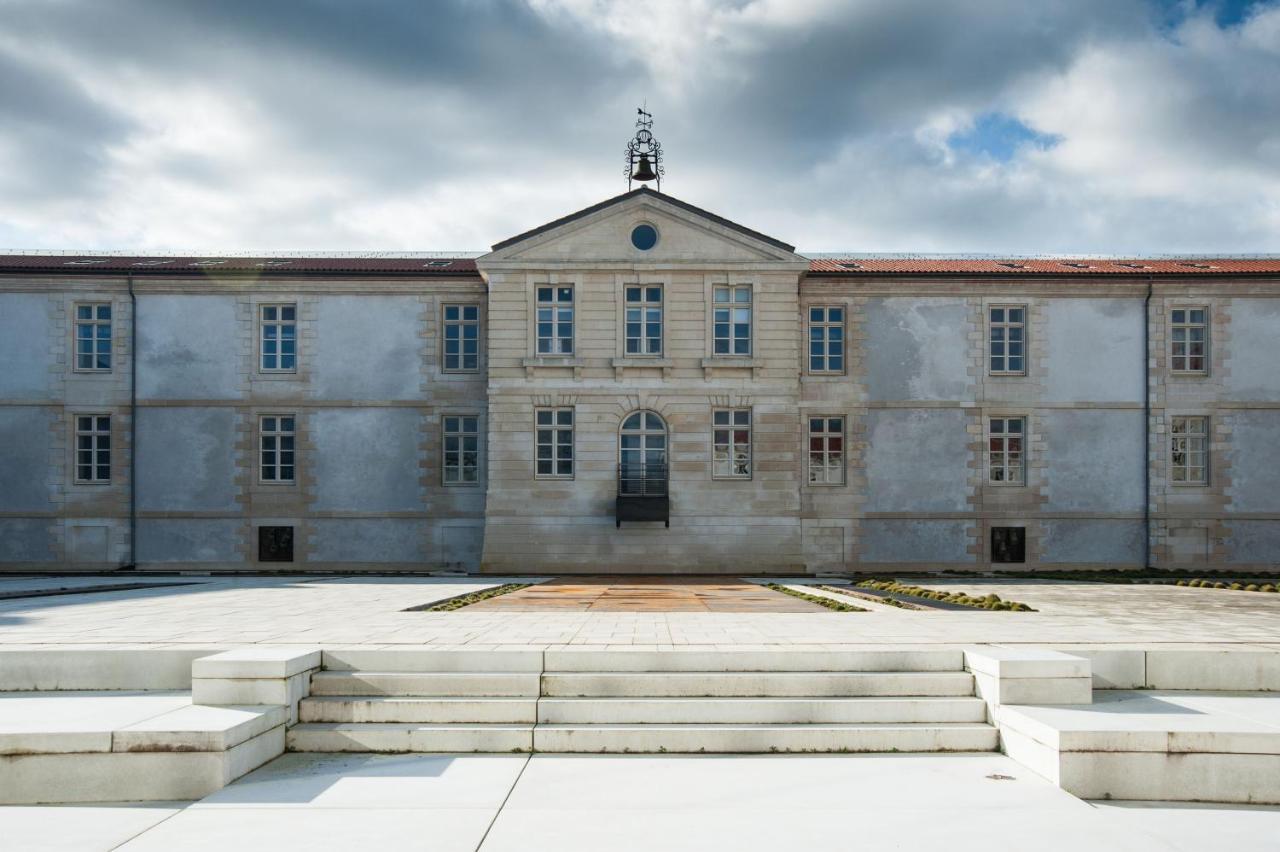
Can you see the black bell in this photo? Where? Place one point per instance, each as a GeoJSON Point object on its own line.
{"type": "Point", "coordinates": [644, 169]}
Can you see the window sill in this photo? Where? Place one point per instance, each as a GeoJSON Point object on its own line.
{"type": "Point", "coordinates": [655, 362]}
{"type": "Point", "coordinates": [731, 362]}
{"type": "Point", "coordinates": [571, 362]}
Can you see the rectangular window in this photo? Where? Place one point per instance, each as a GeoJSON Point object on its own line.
{"type": "Point", "coordinates": [1008, 544]}
{"type": "Point", "coordinates": [732, 319]}
{"type": "Point", "coordinates": [461, 450]}
{"type": "Point", "coordinates": [279, 338]}
{"type": "Point", "coordinates": [731, 443]}
{"type": "Point", "coordinates": [554, 442]}
{"type": "Point", "coordinates": [275, 544]}
{"type": "Point", "coordinates": [1188, 450]}
{"type": "Point", "coordinates": [93, 448]}
{"type": "Point", "coordinates": [1188, 340]}
{"type": "Point", "coordinates": [1005, 441]}
{"type": "Point", "coordinates": [461, 338]}
{"type": "Point", "coordinates": [826, 450]}
{"type": "Point", "coordinates": [1007, 334]}
{"type": "Point", "coordinates": [93, 337]}
{"type": "Point", "coordinates": [555, 320]}
{"type": "Point", "coordinates": [644, 319]}
{"type": "Point", "coordinates": [276, 439]}
{"type": "Point", "coordinates": [826, 340]}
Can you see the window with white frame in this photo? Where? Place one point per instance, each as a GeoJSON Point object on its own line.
{"type": "Point", "coordinates": [461, 338]}
{"type": "Point", "coordinates": [1188, 450]}
{"type": "Point", "coordinates": [93, 337]}
{"type": "Point", "coordinates": [731, 443]}
{"type": "Point", "coordinates": [1007, 339]}
{"type": "Point", "coordinates": [555, 319]}
{"type": "Point", "coordinates": [276, 439]}
{"type": "Point", "coordinates": [93, 448]}
{"type": "Point", "coordinates": [1188, 340]}
{"type": "Point", "coordinates": [554, 442]}
{"type": "Point", "coordinates": [826, 340]}
{"type": "Point", "coordinates": [1006, 447]}
{"type": "Point", "coordinates": [278, 325]}
{"type": "Point", "coordinates": [826, 450]}
{"type": "Point", "coordinates": [643, 319]}
{"type": "Point", "coordinates": [731, 319]}
{"type": "Point", "coordinates": [461, 449]}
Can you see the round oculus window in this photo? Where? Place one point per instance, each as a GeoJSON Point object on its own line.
{"type": "Point", "coordinates": [644, 237]}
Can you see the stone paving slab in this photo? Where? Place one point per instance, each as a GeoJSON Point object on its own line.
{"type": "Point", "coordinates": [629, 802]}
{"type": "Point", "coordinates": [349, 611]}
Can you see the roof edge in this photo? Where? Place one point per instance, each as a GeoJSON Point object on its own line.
{"type": "Point", "coordinates": [644, 191]}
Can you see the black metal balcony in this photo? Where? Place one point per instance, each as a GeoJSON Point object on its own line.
{"type": "Point", "coordinates": [642, 494]}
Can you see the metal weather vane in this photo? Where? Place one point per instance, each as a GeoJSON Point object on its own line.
{"type": "Point", "coordinates": [644, 153]}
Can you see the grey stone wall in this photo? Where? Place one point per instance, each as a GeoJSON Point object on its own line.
{"type": "Point", "coordinates": [25, 352]}
{"type": "Point", "coordinates": [190, 347]}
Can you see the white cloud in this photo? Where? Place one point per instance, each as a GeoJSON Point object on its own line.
{"type": "Point", "coordinates": [241, 126]}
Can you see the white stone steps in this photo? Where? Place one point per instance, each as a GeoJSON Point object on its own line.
{"type": "Point", "coordinates": [757, 684]}
{"type": "Point", "coordinates": [758, 711]}
{"type": "Point", "coordinates": [458, 684]}
{"type": "Point", "coordinates": [763, 739]}
{"type": "Point", "coordinates": [408, 737]}
{"type": "Point", "coordinates": [425, 709]}
{"type": "Point", "coordinates": [571, 659]}
{"type": "Point", "coordinates": [871, 660]}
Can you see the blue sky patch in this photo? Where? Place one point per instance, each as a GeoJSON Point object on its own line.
{"type": "Point", "coordinates": [1226, 13]}
{"type": "Point", "coordinates": [999, 137]}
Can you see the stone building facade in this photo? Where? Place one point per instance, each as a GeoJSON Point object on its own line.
{"type": "Point", "coordinates": [803, 415]}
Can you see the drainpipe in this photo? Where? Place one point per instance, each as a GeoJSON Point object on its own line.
{"type": "Point", "coordinates": [1146, 426]}
{"type": "Point", "coordinates": [133, 427]}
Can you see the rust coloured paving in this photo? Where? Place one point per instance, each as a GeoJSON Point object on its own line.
{"type": "Point", "coordinates": [647, 594]}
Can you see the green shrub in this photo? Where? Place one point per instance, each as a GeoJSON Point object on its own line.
{"type": "Point", "coordinates": [1267, 588]}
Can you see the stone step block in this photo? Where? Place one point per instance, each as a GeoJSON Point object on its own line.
{"type": "Point", "coordinates": [496, 684]}
{"type": "Point", "coordinates": [763, 739]}
{"type": "Point", "coordinates": [432, 710]}
{"type": "Point", "coordinates": [199, 728]}
{"type": "Point", "coordinates": [409, 737]}
{"type": "Point", "coordinates": [132, 776]}
{"type": "Point", "coordinates": [430, 660]}
{"type": "Point", "coordinates": [878, 660]}
{"type": "Point", "coordinates": [789, 711]}
{"type": "Point", "coordinates": [757, 684]}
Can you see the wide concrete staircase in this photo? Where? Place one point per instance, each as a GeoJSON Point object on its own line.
{"type": "Point", "coordinates": [642, 702]}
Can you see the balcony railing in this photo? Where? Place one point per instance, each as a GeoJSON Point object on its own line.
{"type": "Point", "coordinates": [642, 480]}
{"type": "Point", "coordinates": [642, 494]}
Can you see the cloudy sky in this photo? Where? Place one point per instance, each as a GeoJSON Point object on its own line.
{"type": "Point", "coordinates": [1027, 126]}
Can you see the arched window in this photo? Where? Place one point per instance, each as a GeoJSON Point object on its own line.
{"type": "Point", "coordinates": [642, 454]}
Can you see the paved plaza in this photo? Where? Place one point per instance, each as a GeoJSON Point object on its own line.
{"type": "Point", "coordinates": [495, 803]}
{"type": "Point", "coordinates": [356, 610]}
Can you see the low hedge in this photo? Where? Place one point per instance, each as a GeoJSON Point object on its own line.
{"type": "Point", "coordinates": [450, 604]}
{"type": "Point", "coordinates": [818, 599]}
{"type": "Point", "coordinates": [992, 602]}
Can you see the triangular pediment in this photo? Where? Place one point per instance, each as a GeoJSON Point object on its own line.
{"type": "Point", "coordinates": [603, 234]}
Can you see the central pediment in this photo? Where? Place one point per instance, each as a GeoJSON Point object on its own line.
{"type": "Point", "coordinates": [641, 227]}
